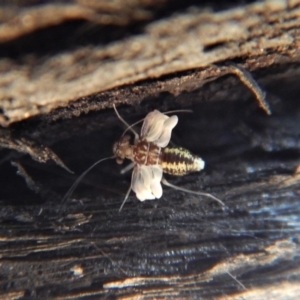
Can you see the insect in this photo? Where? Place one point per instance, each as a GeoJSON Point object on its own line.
{"type": "Point", "coordinates": [151, 158]}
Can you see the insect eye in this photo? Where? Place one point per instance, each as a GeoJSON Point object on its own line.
{"type": "Point", "coordinates": [119, 160]}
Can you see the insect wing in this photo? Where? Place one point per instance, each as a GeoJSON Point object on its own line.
{"type": "Point", "coordinates": [157, 128]}
{"type": "Point", "coordinates": [146, 182]}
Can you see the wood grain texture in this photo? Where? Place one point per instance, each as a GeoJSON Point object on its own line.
{"type": "Point", "coordinates": [36, 84]}
{"type": "Point", "coordinates": [181, 246]}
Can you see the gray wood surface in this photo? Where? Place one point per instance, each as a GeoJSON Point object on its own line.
{"type": "Point", "coordinates": [181, 246]}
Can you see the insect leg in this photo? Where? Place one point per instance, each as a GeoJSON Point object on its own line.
{"type": "Point", "coordinates": [126, 197]}
{"type": "Point", "coordinates": [127, 168]}
{"type": "Point", "coordinates": [165, 182]}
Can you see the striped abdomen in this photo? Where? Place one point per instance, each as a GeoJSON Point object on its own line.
{"type": "Point", "coordinates": [179, 161]}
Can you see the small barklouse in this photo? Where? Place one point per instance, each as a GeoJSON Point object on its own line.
{"type": "Point", "coordinates": [151, 158]}
{"type": "Point", "coordinates": [150, 155]}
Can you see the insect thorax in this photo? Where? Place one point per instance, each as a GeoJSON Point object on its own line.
{"type": "Point", "coordinates": [179, 161]}
{"type": "Point", "coordinates": [146, 153]}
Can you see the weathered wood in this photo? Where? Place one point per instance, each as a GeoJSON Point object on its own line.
{"type": "Point", "coordinates": [181, 246]}
{"type": "Point", "coordinates": [40, 82]}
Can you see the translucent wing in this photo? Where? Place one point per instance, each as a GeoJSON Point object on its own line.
{"type": "Point", "coordinates": [157, 128]}
{"type": "Point", "coordinates": [146, 182]}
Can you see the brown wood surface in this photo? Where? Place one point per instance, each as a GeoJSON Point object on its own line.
{"type": "Point", "coordinates": [181, 246]}
{"type": "Point", "coordinates": [60, 63]}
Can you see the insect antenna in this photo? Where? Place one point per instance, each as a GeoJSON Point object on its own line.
{"type": "Point", "coordinates": [136, 136]}
{"type": "Point", "coordinates": [166, 113]}
{"type": "Point", "coordinates": [75, 184]}
{"type": "Point", "coordinates": [73, 187]}
{"type": "Point", "coordinates": [165, 182]}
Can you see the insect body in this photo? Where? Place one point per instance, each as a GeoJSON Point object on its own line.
{"type": "Point", "coordinates": [179, 161]}
{"type": "Point", "coordinates": [151, 157]}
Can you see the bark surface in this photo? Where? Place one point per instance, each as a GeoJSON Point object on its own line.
{"type": "Point", "coordinates": [60, 61]}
